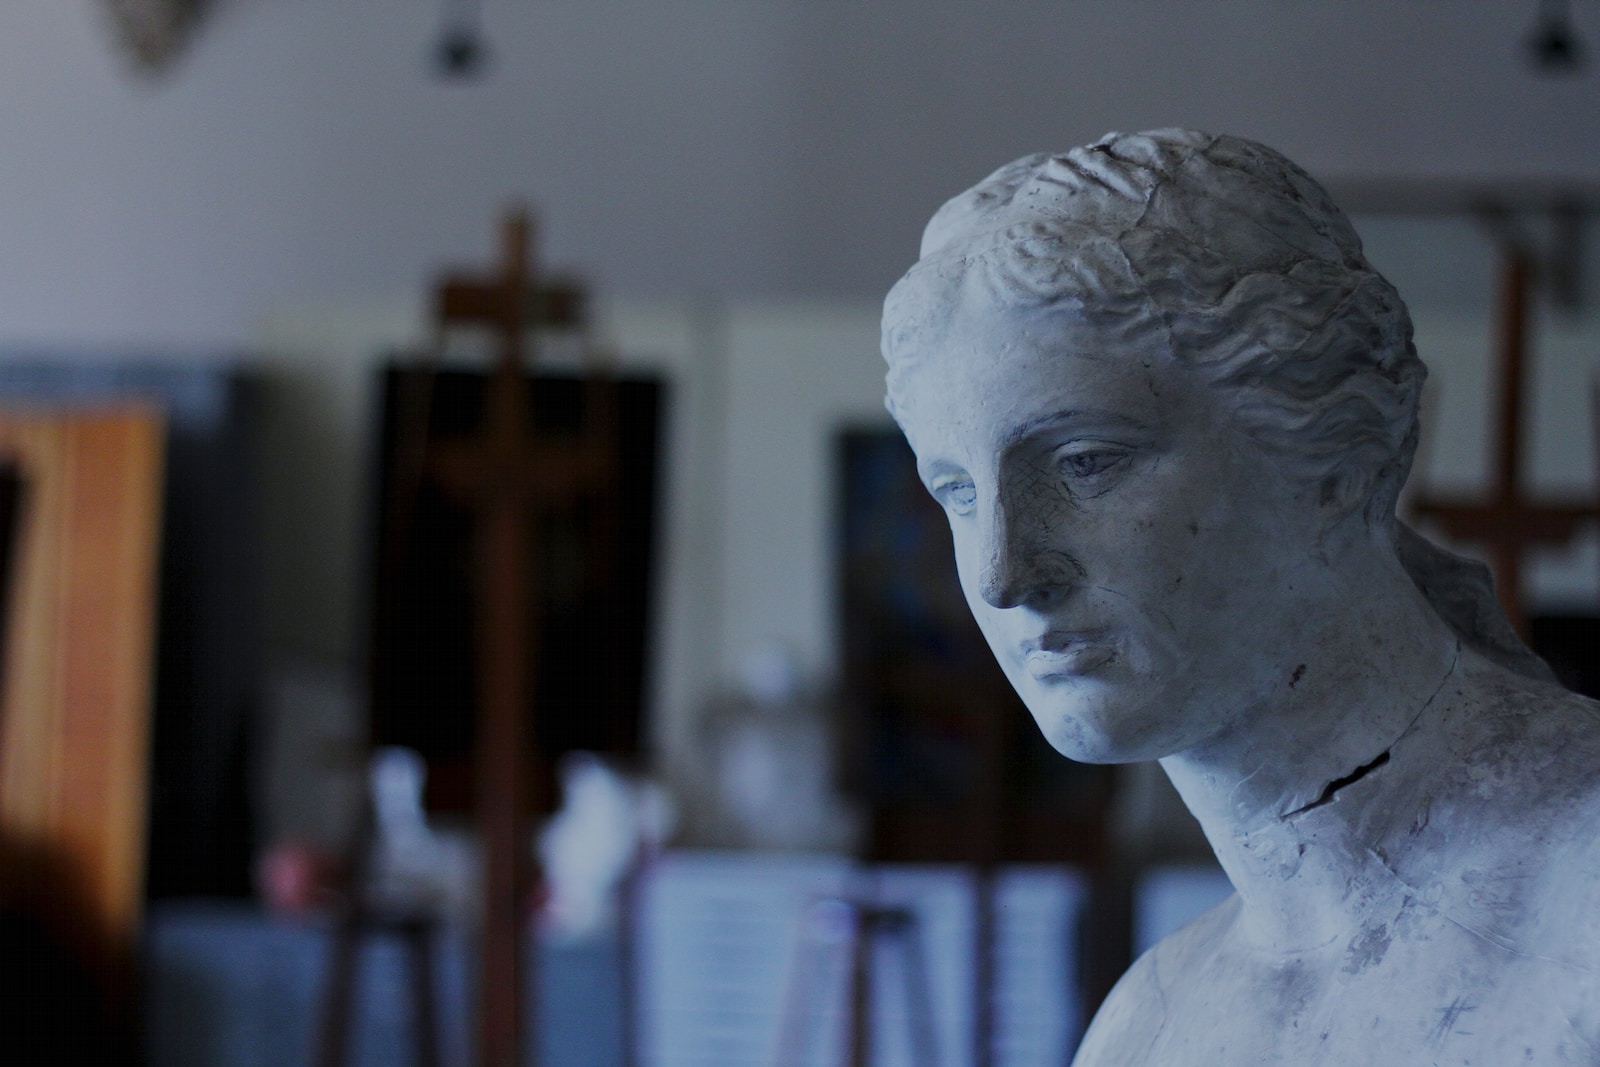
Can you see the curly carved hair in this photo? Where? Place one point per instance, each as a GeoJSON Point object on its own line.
{"type": "Point", "coordinates": [1236, 261]}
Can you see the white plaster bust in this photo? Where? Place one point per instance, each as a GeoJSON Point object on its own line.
{"type": "Point", "coordinates": [1168, 405]}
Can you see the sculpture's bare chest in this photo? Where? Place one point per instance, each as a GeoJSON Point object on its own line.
{"type": "Point", "coordinates": [1435, 993]}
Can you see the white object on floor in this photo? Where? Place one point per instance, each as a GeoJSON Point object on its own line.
{"type": "Point", "coordinates": [606, 823]}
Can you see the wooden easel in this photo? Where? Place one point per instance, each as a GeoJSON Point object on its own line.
{"type": "Point", "coordinates": [508, 477]}
{"type": "Point", "coordinates": [1509, 521]}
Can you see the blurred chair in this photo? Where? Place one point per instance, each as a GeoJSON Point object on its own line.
{"type": "Point", "coordinates": [864, 926]}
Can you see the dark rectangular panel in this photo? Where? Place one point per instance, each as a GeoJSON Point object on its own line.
{"type": "Point", "coordinates": [594, 602]}
{"type": "Point", "coordinates": [945, 756]}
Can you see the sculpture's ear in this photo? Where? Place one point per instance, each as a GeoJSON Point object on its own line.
{"type": "Point", "coordinates": [1345, 490]}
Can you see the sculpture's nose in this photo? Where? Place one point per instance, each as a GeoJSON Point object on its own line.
{"type": "Point", "coordinates": [1015, 567]}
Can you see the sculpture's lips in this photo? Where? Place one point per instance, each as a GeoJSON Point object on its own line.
{"type": "Point", "coordinates": [1068, 653]}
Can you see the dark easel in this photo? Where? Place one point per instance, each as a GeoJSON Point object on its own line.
{"type": "Point", "coordinates": [508, 476]}
{"type": "Point", "coordinates": [1509, 522]}
{"type": "Point", "coordinates": [945, 758]}
{"type": "Point", "coordinates": [1538, 229]}
{"type": "Point", "coordinates": [416, 930]}
{"type": "Point", "coordinates": [508, 620]}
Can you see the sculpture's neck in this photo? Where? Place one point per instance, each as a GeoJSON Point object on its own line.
{"type": "Point", "coordinates": [1292, 797]}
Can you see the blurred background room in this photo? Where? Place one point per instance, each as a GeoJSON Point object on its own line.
{"type": "Point", "coordinates": [451, 537]}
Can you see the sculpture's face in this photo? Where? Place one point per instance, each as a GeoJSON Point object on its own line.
{"type": "Point", "coordinates": [1132, 558]}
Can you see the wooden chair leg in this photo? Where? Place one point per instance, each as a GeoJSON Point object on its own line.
{"type": "Point", "coordinates": [870, 926]}
{"type": "Point", "coordinates": [863, 942]}
{"type": "Point", "coordinates": [629, 894]}
{"type": "Point", "coordinates": [339, 996]}
{"type": "Point", "coordinates": [424, 1017]}
{"type": "Point", "coordinates": [919, 995]}
{"type": "Point", "coordinates": [792, 1043]}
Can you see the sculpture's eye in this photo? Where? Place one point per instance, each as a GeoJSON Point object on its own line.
{"type": "Point", "coordinates": [1088, 459]}
{"type": "Point", "coordinates": [955, 493]}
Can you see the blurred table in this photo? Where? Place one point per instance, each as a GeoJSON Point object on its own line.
{"type": "Point", "coordinates": [228, 986]}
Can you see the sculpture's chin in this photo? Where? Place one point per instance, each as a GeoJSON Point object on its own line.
{"type": "Point", "coordinates": [1119, 715]}
{"type": "Point", "coordinates": [1104, 753]}
{"type": "Point", "coordinates": [1094, 731]}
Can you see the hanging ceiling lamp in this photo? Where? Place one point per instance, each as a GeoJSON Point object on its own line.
{"type": "Point", "coordinates": [1553, 45]}
{"type": "Point", "coordinates": [153, 32]}
{"type": "Point", "coordinates": [459, 53]}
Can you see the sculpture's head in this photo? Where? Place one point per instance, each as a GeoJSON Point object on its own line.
{"type": "Point", "coordinates": [1158, 390]}
{"type": "Point", "coordinates": [1216, 252]}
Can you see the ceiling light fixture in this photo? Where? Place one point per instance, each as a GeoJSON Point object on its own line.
{"type": "Point", "coordinates": [459, 53]}
{"type": "Point", "coordinates": [1553, 45]}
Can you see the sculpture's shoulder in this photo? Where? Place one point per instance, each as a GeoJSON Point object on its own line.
{"type": "Point", "coordinates": [1560, 766]}
{"type": "Point", "coordinates": [1526, 791]}
{"type": "Point", "coordinates": [1500, 848]}
{"type": "Point", "coordinates": [1509, 831]}
{"type": "Point", "coordinates": [1525, 725]}
{"type": "Point", "coordinates": [1483, 945]}
{"type": "Point", "coordinates": [1128, 1027]}
{"type": "Point", "coordinates": [1552, 790]}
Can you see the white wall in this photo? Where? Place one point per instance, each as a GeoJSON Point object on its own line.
{"type": "Point", "coordinates": [797, 372]}
{"type": "Point", "coordinates": [303, 152]}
